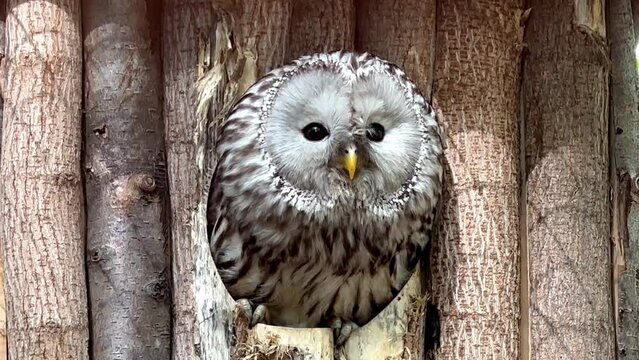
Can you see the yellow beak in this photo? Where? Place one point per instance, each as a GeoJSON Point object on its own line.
{"type": "Point", "coordinates": [350, 163]}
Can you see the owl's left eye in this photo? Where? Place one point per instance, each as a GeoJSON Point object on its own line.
{"type": "Point", "coordinates": [314, 132]}
{"type": "Point", "coordinates": [375, 132]}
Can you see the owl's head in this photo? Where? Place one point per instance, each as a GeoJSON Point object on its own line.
{"type": "Point", "coordinates": [337, 126]}
{"type": "Point", "coordinates": [343, 126]}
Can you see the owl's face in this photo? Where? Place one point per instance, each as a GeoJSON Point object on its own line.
{"type": "Point", "coordinates": [330, 133]}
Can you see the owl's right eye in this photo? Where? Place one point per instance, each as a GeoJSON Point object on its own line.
{"type": "Point", "coordinates": [314, 132]}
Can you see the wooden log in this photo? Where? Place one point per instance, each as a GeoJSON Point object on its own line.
{"type": "Point", "coordinates": [320, 26]}
{"type": "Point", "coordinates": [565, 90]}
{"type": "Point", "coordinates": [624, 133]}
{"type": "Point", "coordinates": [41, 183]}
{"type": "Point", "coordinates": [475, 255]}
{"type": "Point", "coordinates": [3, 309]}
{"type": "Point", "coordinates": [203, 310]}
{"type": "Point", "coordinates": [402, 32]}
{"type": "Point", "coordinates": [125, 168]}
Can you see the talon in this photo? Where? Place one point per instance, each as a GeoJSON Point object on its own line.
{"type": "Point", "coordinates": [336, 325]}
{"type": "Point", "coordinates": [245, 305]}
{"type": "Point", "coordinates": [342, 330]}
{"type": "Point", "coordinates": [258, 315]}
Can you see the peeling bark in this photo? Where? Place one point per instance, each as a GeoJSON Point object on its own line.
{"type": "Point", "coordinates": [41, 184]}
{"type": "Point", "coordinates": [566, 95]}
{"type": "Point", "coordinates": [203, 310]}
{"type": "Point", "coordinates": [128, 265]}
{"type": "Point", "coordinates": [624, 134]}
{"type": "Point", "coordinates": [475, 256]}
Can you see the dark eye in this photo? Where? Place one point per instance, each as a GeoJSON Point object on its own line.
{"type": "Point", "coordinates": [314, 132]}
{"type": "Point", "coordinates": [375, 132]}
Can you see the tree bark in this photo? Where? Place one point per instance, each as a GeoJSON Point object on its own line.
{"type": "Point", "coordinates": [203, 310]}
{"type": "Point", "coordinates": [402, 32]}
{"type": "Point", "coordinates": [128, 265]}
{"type": "Point", "coordinates": [321, 26]}
{"type": "Point", "coordinates": [625, 171]}
{"type": "Point", "coordinates": [3, 309]}
{"type": "Point", "coordinates": [261, 29]}
{"type": "Point", "coordinates": [475, 269]}
{"type": "Point", "coordinates": [565, 95]}
{"type": "Point", "coordinates": [42, 199]}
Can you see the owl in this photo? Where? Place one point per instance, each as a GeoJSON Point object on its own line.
{"type": "Point", "coordinates": [322, 200]}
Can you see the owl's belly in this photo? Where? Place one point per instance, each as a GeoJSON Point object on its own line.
{"type": "Point", "coordinates": [308, 278]}
{"type": "Point", "coordinates": [311, 294]}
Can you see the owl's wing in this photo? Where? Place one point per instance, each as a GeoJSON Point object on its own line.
{"type": "Point", "coordinates": [215, 210]}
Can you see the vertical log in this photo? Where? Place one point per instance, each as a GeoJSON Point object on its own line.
{"type": "Point", "coordinates": [320, 26]}
{"type": "Point", "coordinates": [203, 310]}
{"type": "Point", "coordinates": [42, 199]}
{"type": "Point", "coordinates": [624, 99]}
{"type": "Point", "coordinates": [402, 32]}
{"type": "Point", "coordinates": [474, 261]}
{"type": "Point", "coordinates": [3, 309]}
{"type": "Point", "coordinates": [125, 172]}
{"type": "Point", "coordinates": [565, 97]}
{"type": "Point", "coordinates": [261, 29]}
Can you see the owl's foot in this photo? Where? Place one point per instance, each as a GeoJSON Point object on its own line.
{"type": "Point", "coordinates": [255, 316]}
{"type": "Point", "coordinates": [342, 330]}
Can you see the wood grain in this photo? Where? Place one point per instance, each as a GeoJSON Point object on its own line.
{"type": "Point", "coordinates": [475, 256]}
{"type": "Point", "coordinates": [41, 183]}
{"type": "Point", "coordinates": [565, 92]}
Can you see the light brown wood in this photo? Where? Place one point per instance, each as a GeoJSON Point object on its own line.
{"type": "Point", "coordinates": [402, 32]}
{"type": "Point", "coordinates": [291, 343]}
{"type": "Point", "coordinates": [3, 309]}
{"type": "Point", "coordinates": [203, 310]}
{"type": "Point", "coordinates": [261, 28]}
{"type": "Point", "coordinates": [395, 332]}
{"type": "Point", "coordinates": [321, 26]}
{"type": "Point", "coordinates": [624, 131]}
{"type": "Point", "coordinates": [475, 256]}
{"type": "Point", "coordinates": [565, 89]}
{"type": "Point", "coordinates": [41, 184]}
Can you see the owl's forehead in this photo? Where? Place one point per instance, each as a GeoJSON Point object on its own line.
{"type": "Point", "coordinates": [338, 93]}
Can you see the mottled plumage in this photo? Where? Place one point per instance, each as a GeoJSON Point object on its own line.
{"type": "Point", "coordinates": [289, 228]}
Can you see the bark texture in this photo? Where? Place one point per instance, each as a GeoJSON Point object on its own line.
{"type": "Point", "coordinates": [261, 29]}
{"type": "Point", "coordinates": [203, 310]}
{"type": "Point", "coordinates": [625, 170]}
{"type": "Point", "coordinates": [565, 96]}
{"type": "Point", "coordinates": [3, 310]}
{"type": "Point", "coordinates": [321, 26]}
{"type": "Point", "coordinates": [128, 262]}
{"type": "Point", "coordinates": [402, 32]}
{"type": "Point", "coordinates": [475, 282]}
{"type": "Point", "coordinates": [41, 184]}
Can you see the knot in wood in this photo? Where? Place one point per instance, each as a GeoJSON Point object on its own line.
{"type": "Point", "coordinates": [144, 182]}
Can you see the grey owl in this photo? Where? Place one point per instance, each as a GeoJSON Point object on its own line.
{"type": "Point", "coordinates": [328, 172]}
